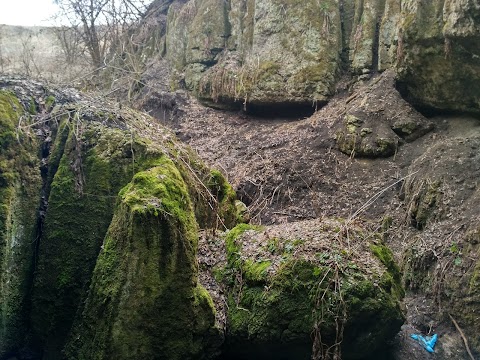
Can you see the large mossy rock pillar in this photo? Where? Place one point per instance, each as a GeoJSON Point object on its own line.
{"type": "Point", "coordinates": [20, 188]}
{"type": "Point", "coordinates": [144, 301]}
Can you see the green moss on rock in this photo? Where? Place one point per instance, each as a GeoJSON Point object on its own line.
{"type": "Point", "coordinates": [143, 301]}
{"type": "Point", "coordinates": [20, 186]}
{"type": "Point", "coordinates": [55, 216]}
{"type": "Point", "coordinates": [226, 197]}
{"type": "Point", "coordinates": [84, 182]}
{"type": "Point", "coordinates": [391, 279]}
{"type": "Point", "coordinates": [280, 297]}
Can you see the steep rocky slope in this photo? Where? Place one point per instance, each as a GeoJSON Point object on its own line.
{"type": "Point", "coordinates": [102, 209]}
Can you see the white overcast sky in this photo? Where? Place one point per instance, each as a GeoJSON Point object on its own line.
{"type": "Point", "coordinates": [26, 12]}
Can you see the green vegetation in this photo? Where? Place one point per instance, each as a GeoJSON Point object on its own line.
{"type": "Point", "coordinates": [89, 164]}
{"type": "Point", "coordinates": [143, 300]}
{"type": "Point", "coordinates": [281, 297]}
{"type": "Point", "coordinates": [20, 185]}
{"type": "Point", "coordinates": [231, 240]}
{"type": "Point", "coordinates": [81, 199]}
{"type": "Point", "coordinates": [225, 206]}
{"type": "Point", "coordinates": [392, 278]}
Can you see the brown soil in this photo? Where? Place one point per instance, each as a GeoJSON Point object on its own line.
{"type": "Point", "coordinates": [289, 170]}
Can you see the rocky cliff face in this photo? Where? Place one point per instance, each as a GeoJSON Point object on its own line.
{"type": "Point", "coordinates": [439, 49]}
{"type": "Point", "coordinates": [281, 53]}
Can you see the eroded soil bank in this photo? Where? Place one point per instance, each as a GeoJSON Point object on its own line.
{"type": "Point", "coordinates": [367, 155]}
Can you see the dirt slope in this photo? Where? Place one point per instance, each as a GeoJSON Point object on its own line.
{"type": "Point", "coordinates": [424, 193]}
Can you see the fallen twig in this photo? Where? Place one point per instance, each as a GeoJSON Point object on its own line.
{"type": "Point", "coordinates": [293, 215]}
{"type": "Point", "coordinates": [376, 196]}
{"type": "Point", "coordinates": [463, 336]}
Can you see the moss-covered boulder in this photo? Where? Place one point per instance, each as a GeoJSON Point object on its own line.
{"type": "Point", "coordinates": [62, 167]}
{"type": "Point", "coordinates": [144, 301]}
{"type": "Point", "coordinates": [328, 281]}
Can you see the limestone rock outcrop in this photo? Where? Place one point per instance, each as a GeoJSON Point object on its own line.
{"type": "Point", "coordinates": [281, 53]}
{"type": "Point", "coordinates": [439, 54]}
{"type": "Point", "coordinates": [256, 52]}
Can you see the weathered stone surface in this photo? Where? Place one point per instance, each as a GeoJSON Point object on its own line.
{"type": "Point", "coordinates": [357, 138]}
{"type": "Point", "coordinates": [439, 49]}
{"type": "Point", "coordinates": [144, 301]}
{"type": "Point", "coordinates": [388, 35]}
{"type": "Point", "coordinates": [290, 52]}
{"type": "Point", "coordinates": [261, 52]}
{"type": "Point", "coordinates": [364, 36]}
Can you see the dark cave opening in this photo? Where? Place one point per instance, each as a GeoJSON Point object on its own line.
{"type": "Point", "coordinates": [283, 110]}
{"type": "Point", "coordinates": [427, 110]}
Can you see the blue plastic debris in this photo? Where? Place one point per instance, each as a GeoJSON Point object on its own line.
{"type": "Point", "coordinates": [428, 342]}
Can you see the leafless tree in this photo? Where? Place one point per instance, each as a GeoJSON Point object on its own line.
{"type": "Point", "coordinates": [100, 24]}
{"type": "Point", "coordinates": [28, 56]}
{"type": "Point", "coordinates": [70, 42]}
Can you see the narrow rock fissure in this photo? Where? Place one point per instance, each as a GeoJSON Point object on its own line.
{"type": "Point", "coordinates": [47, 172]}
{"type": "Point", "coordinates": [42, 209]}
{"type": "Point", "coordinates": [376, 43]}
{"type": "Point", "coordinates": [375, 48]}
